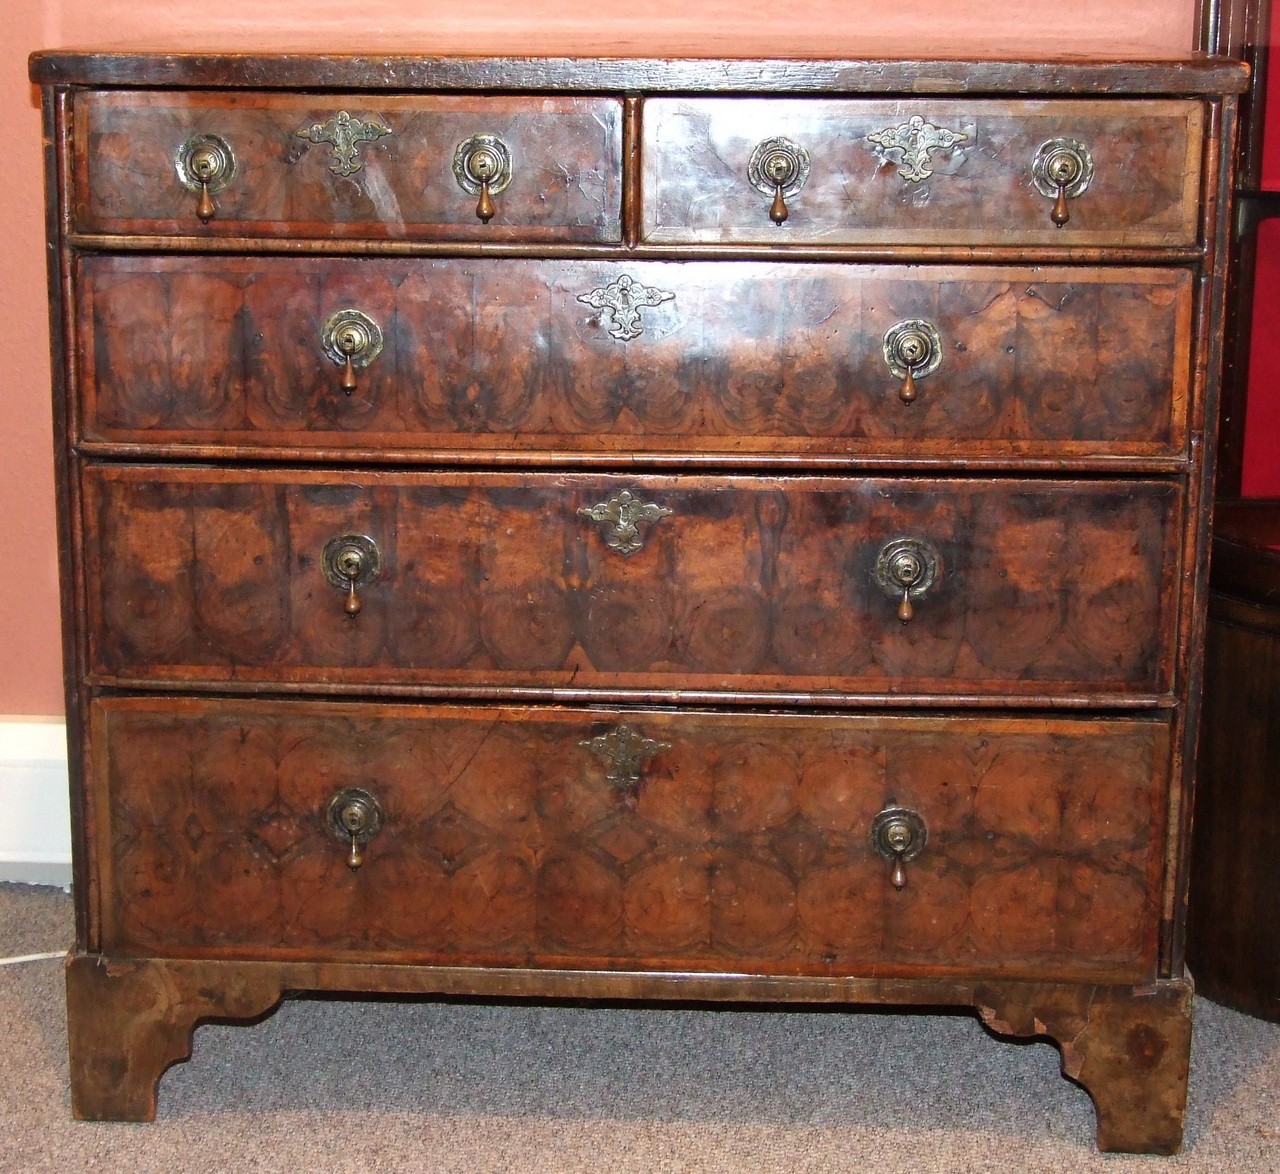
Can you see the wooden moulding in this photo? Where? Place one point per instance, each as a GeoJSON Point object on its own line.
{"type": "Point", "coordinates": [130, 1019]}
{"type": "Point", "coordinates": [1189, 75]}
{"type": "Point", "coordinates": [639, 840]}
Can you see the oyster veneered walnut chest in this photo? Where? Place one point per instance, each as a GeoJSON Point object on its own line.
{"type": "Point", "coordinates": [635, 529]}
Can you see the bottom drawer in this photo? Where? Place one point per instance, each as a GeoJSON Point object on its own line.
{"type": "Point", "coordinates": [640, 839]}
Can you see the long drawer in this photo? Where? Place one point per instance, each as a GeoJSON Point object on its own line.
{"type": "Point", "coordinates": [368, 166]}
{"type": "Point", "coordinates": [638, 840]}
{"type": "Point", "coordinates": [822, 585]}
{"type": "Point", "coordinates": [962, 171]}
{"type": "Point", "coordinates": [539, 359]}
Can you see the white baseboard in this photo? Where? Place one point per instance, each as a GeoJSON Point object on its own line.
{"type": "Point", "coordinates": [35, 834]}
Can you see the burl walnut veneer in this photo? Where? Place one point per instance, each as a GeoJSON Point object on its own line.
{"type": "Point", "coordinates": [654, 529]}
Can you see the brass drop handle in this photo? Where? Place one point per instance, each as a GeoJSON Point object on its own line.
{"type": "Point", "coordinates": [1062, 170]}
{"type": "Point", "coordinates": [354, 817]}
{"type": "Point", "coordinates": [899, 835]}
{"type": "Point", "coordinates": [352, 340]}
{"type": "Point", "coordinates": [778, 168]}
{"type": "Point", "coordinates": [905, 570]}
{"type": "Point", "coordinates": [205, 165]}
{"type": "Point", "coordinates": [912, 351]}
{"type": "Point", "coordinates": [351, 562]}
{"type": "Point", "coordinates": [482, 167]}
{"type": "Point", "coordinates": [781, 171]}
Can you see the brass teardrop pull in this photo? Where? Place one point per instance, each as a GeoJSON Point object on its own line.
{"type": "Point", "coordinates": [778, 210]}
{"type": "Point", "coordinates": [355, 816]}
{"type": "Point", "coordinates": [351, 339]}
{"type": "Point", "coordinates": [907, 392]}
{"type": "Point", "coordinates": [778, 168]}
{"type": "Point", "coordinates": [482, 166]}
{"type": "Point", "coordinates": [484, 205]}
{"type": "Point", "coordinates": [349, 383]}
{"type": "Point", "coordinates": [205, 165]}
{"type": "Point", "coordinates": [906, 570]}
{"type": "Point", "coordinates": [912, 351]}
{"type": "Point", "coordinates": [1060, 214]}
{"type": "Point", "coordinates": [350, 562]}
{"type": "Point", "coordinates": [899, 835]}
{"type": "Point", "coordinates": [1062, 170]}
{"type": "Point", "coordinates": [204, 206]}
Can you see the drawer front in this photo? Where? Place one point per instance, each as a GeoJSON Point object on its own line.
{"type": "Point", "coordinates": [1015, 588]}
{"type": "Point", "coordinates": [373, 166]}
{"type": "Point", "coordinates": [921, 171]}
{"type": "Point", "coordinates": [534, 358]}
{"type": "Point", "coordinates": [637, 840]}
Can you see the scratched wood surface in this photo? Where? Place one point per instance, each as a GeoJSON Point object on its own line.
{"type": "Point", "coordinates": [566, 166]}
{"type": "Point", "coordinates": [1145, 187]}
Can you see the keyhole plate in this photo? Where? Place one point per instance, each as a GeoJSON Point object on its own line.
{"type": "Point", "coordinates": [778, 156]}
{"type": "Point", "coordinates": [904, 340]}
{"type": "Point", "coordinates": [353, 327]}
{"type": "Point", "coordinates": [205, 161]}
{"type": "Point", "coordinates": [348, 553]}
{"type": "Point", "coordinates": [899, 554]}
{"type": "Point", "coordinates": [1042, 167]}
{"type": "Point", "coordinates": [354, 814]}
{"type": "Point", "coordinates": [494, 152]}
{"type": "Point", "coordinates": [899, 833]}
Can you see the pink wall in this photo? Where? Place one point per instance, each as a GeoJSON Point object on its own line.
{"type": "Point", "coordinates": [29, 645]}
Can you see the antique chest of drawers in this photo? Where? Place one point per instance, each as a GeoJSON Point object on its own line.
{"type": "Point", "coordinates": [631, 528]}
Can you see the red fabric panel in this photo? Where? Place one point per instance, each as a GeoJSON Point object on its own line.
{"type": "Point", "coordinates": [1270, 178]}
{"type": "Point", "coordinates": [1262, 416]}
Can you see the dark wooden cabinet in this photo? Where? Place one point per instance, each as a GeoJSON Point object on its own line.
{"type": "Point", "coordinates": [636, 529]}
{"type": "Point", "coordinates": [1232, 941]}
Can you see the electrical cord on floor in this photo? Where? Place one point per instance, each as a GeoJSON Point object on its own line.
{"type": "Point", "coordinates": [32, 958]}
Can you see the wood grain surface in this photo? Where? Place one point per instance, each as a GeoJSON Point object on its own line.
{"type": "Point", "coordinates": [566, 166]}
{"type": "Point", "coordinates": [745, 846]}
{"type": "Point", "coordinates": [749, 583]}
{"type": "Point", "coordinates": [632, 333]}
{"type": "Point", "coordinates": [1145, 187]}
{"type": "Point", "coordinates": [489, 356]}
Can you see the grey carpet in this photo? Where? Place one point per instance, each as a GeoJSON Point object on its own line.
{"type": "Point", "coordinates": [352, 1086]}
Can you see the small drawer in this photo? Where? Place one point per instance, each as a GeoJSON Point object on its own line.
{"type": "Point", "coordinates": [922, 171]}
{"type": "Point", "coordinates": [537, 359]}
{"type": "Point", "coordinates": [368, 166]}
{"type": "Point", "coordinates": [816, 586]}
{"type": "Point", "coordinates": [741, 843]}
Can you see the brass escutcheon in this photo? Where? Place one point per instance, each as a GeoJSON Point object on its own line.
{"type": "Point", "coordinates": [622, 301]}
{"type": "Point", "coordinates": [344, 133]}
{"type": "Point", "coordinates": [621, 516]}
{"type": "Point", "coordinates": [899, 835]}
{"type": "Point", "coordinates": [354, 817]}
{"type": "Point", "coordinates": [911, 144]}
{"type": "Point", "coordinates": [628, 753]}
